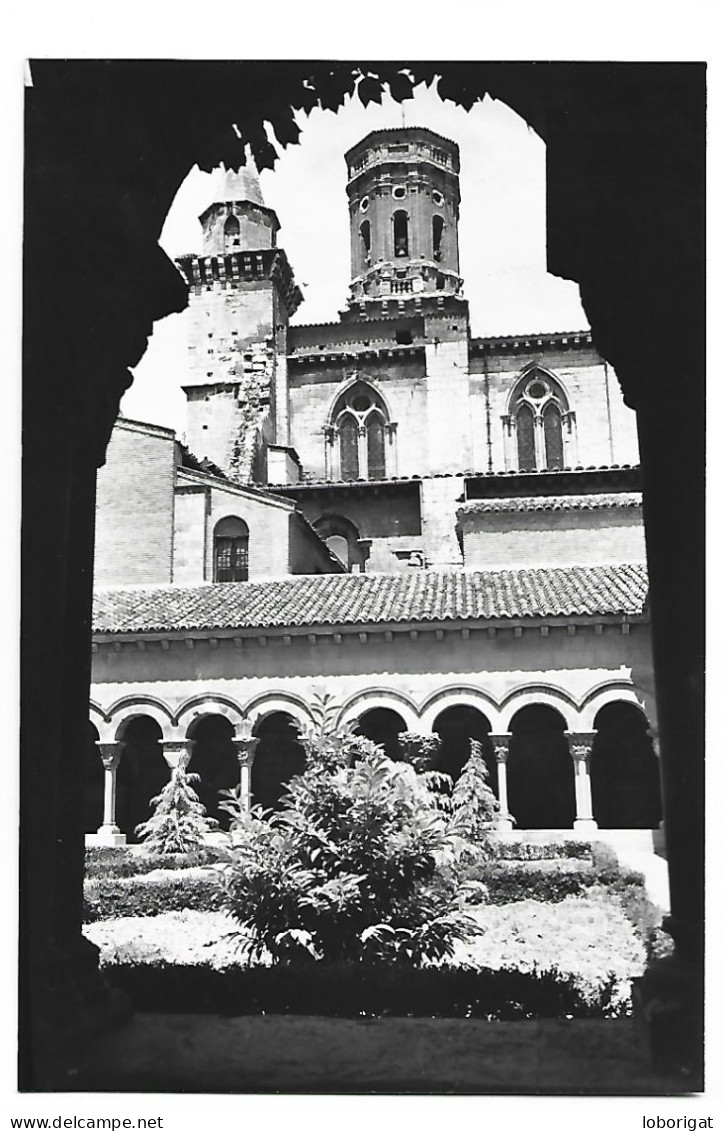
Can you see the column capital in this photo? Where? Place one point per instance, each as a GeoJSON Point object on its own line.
{"type": "Point", "coordinates": [580, 743]}
{"type": "Point", "coordinates": [245, 742]}
{"type": "Point", "coordinates": [110, 753]}
{"type": "Point", "coordinates": [177, 751]}
{"type": "Point", "coordinates": [501, 744]}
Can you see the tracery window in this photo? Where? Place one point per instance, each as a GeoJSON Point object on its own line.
{"type": "Point", "coordinates": [231, 550]}
{"type": "Point", "coordinates": [360, 436]}
{"type": "Point", "coordinates": [540, 425]}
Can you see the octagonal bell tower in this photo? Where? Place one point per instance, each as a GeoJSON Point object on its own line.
{"type": "Point", "coordinates": [403, 190]}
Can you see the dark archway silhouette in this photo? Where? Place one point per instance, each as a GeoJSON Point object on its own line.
{"type": "Point", "coordinates": [383, 726]}
{"type": "Point", "coordinates": [214, 760]}
{"type": "Point", "coordinates": [624, 772]}
{"type": "Point", "coordinates": [94, 783]}
{"type": "Point", "coordinates": [456, 726]}
{"type": "Point", "coordinates": [625, 220]}
{"type": "Point", "coordinates": [141, 775]}
{"type": "Point", "coordinates": [540, 771]}
{"type": "Point", "coordinates": [279, 757]}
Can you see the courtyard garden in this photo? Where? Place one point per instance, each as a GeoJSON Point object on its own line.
{"type": "Point", "coordinates": [378, 888]}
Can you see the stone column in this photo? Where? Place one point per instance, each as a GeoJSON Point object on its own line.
{"type": "Point", "coordinates": [501, 743]}
{"type": "Point", "coordinates": [177, 752]}
{"type": "Point", "coordinates": [245, 743]}
{"type": "Point", "coordinates": [580, 750]}
{"type": "Point", "coordinates": [109, 833]}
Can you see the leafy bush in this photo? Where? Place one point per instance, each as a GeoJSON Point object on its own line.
{"type": "Point", "coordinates": [178, 822]}
{"type": "Point", "coordinates": [350, 868]}
{"type": "Point", "coordinates": [106, 862]}
{"type": "Point", "coordinates": [420, 751]}
{"type": "Point", "coordinates": [363, 990]}
{"type": "Point", "coordinates": [115, 899]}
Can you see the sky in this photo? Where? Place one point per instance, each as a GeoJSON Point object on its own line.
{"type": "Point", "coordinates": [501, 230]}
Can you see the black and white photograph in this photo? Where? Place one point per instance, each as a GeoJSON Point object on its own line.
{"type": "Point", "coordinates": [363, 580]}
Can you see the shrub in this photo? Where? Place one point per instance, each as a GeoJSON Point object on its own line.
{"type": "Point", "coordinates": [529, 850]}
{"type": "Point", "coordinates": [474, 805]}
{"type": "Point", "coordinates": [349, 869]}
{"type": "Point", "coordinates": [178, 822]}
{"type": "Point", "coordinates": [354, 990]}
{"type": "Point", "coordinates": [420, 751]}
{"type": "Point", "coordinates": [116, 899]}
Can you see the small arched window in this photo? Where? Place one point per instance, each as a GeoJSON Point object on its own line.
{"type": "Point", "coordinates": [231, 550]}
{"type": "Point", "coordinates": [540, 417]}
{"type": "Point", "coordinates": [231, 233]}
{"type": "Point", "coordinates": [401, 234]}
{"type": "Point", "coordinates": [437, 233]}
{"type": "Point", "coordinates": [365, 233]}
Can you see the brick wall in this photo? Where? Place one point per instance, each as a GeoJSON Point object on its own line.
{"type": "Point", "coordinates": [525, 540]}
{"type": "Point", "coordinates": [134, 523]}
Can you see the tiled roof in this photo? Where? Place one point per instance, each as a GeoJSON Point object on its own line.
{"type": "Point", "coordinates": [553, 503]}
{"type": "Point", "coordinates": [365, 599]}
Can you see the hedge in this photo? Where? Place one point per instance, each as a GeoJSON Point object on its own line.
{"type": "Point", "coordinates": [134, 898]}
{"type": "Point", "coordinates": [122, 863]}
{"type": "Point", "coordinates": [331, 990]}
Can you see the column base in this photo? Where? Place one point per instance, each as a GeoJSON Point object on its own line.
{"type": "Point", "coordinates": [505, 824]}
{"type": "Point", "coordinates": [585, 825]}
{"type": "Point", "coordinates": [106, 835]}
{"type": "Point", "coordinates": [668, 1018]}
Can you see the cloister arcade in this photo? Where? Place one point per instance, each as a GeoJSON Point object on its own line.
{"type": "Point", "coordinates": [552, 763]}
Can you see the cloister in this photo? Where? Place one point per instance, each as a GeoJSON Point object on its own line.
{"type": "Point", "coordinates": [553, 762]}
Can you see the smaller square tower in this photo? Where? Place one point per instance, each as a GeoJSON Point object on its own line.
{"type": "Point", "coordinates": [242, 294]}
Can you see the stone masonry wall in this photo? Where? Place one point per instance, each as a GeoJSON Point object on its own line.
{"type": "Point", "coordinates": [134, 510]}
{"type": "Point", "coordinates": [528, 539]}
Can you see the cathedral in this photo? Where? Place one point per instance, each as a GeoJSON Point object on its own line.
{"type": "Point", "coordinates": [425, 531]}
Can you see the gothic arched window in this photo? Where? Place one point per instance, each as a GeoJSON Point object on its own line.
{"type": "Point", "coordinates": [540, 424]}
{"type": "Point", "coordinates": [231, 550]}
{"type": "Point", "coordinates": [361, 434]}
{"type": "Point", "coordinates": [231, 233]}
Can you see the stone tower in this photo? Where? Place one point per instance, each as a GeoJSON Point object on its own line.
{"type": "Point", "coordinates": [242, 294]}
{"type": "Point", "coordinates": [403, 190]}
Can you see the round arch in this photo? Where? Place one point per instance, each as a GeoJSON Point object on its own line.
{"type": "Point", "coordinates": [457, 695]}
{"type": "Point", "coordinates": [132, 706]}
{"type": "Point", "coordinates": [615, 692]}
{"type": "Point", "coordinates": [540, 770]}
{"type": "Point", "coordinates": [374, 698]}
{"type": "Point", "coordinates": [208, 703]}
{"type": "Point", "coordinates": [142, 771]}
{"type": "Point", "coordinates": [624, 771]}
{"type": "Point", "coordinates": [279, 756]}
{"type": "Point", "coordinates": [285, 703]}
{"type": "Point", "coordinates": [457, 725]}
{"type": "Point", "coordinates": [542, 694]}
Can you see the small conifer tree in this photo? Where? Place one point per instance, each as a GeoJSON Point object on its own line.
{"type": "Point", "coordinates": [178, 822]}
{"type": "Point", "coordinates": [474, 805]}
